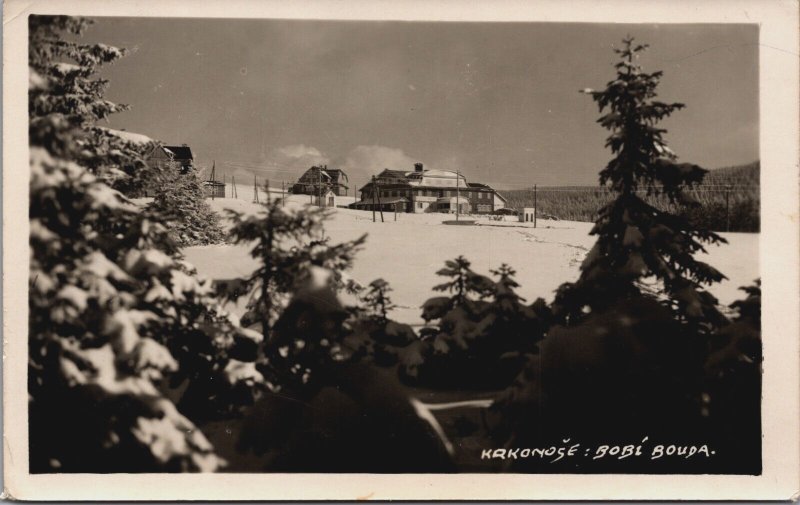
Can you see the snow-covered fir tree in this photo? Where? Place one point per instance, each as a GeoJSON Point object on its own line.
{"type": "Point", "coordinates": [479, 336]}
{"type": "Point", "coordinates": [635, 240]}
{"type": "Point", "coordinates": [289, 243]}
{"type": "Point", "coordinates": [114, 310]}
{"type": "Point", "coordinates": [180, 199]}
{"type": "Point", "coordinates": [623, 361]}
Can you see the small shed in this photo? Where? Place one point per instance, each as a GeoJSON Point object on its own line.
{"type": "Point", "coordinates": [328, 199]}
{"type": "Point", "coordinates": [527, 214]}
{"type": "Point", "coordinates": [214, 189]}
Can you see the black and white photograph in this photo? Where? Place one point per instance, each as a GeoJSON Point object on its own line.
{"type": "Point", "coordinates": [266, 245]}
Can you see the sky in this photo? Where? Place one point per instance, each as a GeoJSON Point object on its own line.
{"type": "Point", "coordinates": [498, 101]}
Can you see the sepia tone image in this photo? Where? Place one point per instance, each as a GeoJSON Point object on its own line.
{"type": "Point", "coordinates": [319, 246]}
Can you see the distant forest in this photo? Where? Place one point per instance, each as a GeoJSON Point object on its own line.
{"type": "Point", "coordinates": [738, 184]}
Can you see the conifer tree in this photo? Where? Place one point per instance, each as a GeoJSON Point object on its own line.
{"type": "Point", "coordinates": [638, 359]}
{"type": "Point", "coordinates": [636, 240]}
{"type": "Point", "coordinates": [513, 325]}
{"type": "Point", "coordinates": [378, 301]}
{"type": "Point", "coordinates": [65, 93]}
{"type": "Point", "coordinates": [373, 335]}
{"type": "Point", "coordinates": [464, 284]}
{"type": "Point", "coordinates": [113, 309]}
{"type": "Point", "coordinates": [289, 243]}
{"type": "Point", "coordinates": [732, 386]}
{"type": "Point", "coordinates": [180, 199]}
{"type": "Point", "coordinates": [483, 332]}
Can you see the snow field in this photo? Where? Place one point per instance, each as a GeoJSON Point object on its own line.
{"type": "Point", "coordinates": [408, 252]}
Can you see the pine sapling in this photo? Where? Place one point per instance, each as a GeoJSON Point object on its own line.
{"type": "Point", "coordinates": [378, 301]}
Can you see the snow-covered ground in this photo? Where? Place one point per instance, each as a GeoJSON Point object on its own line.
{"type": "Point", "coordinates": [408, 252]}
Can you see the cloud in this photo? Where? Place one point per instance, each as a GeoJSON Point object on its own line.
{"type": "Point", "coordinates": [282, 164]}
{"type": "Point", "coordinates": [299, 151]}
{"type": "Point", "coordinates": [290, 162]}
{"type": "Point", "coordinates": [363, 161]}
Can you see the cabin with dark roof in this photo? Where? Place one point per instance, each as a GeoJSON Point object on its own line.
{"type": "Point", "coordinates": [160, 156]}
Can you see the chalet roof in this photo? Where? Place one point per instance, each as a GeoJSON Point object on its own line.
{"type": "Point", "coordinates": [335, 171]}
{"type": "Point", "coordinates": [180, 152]}
{"type": "Point", "coordinates": [398, 174]}
{"type": "Point", "coordinates": [389, 185]}
{"type": "Point", "coordinates": [329, 173]}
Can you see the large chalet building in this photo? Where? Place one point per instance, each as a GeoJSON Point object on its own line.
{"type": "Point", "coordinates": [321, 179]}
{"type": "Point", "coordinates": [424, 190]}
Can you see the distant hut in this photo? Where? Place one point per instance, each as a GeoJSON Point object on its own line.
{"type": "Point", "coordinates": [160, 156]}
{"type": "Point", "coordinates": [214, 189]}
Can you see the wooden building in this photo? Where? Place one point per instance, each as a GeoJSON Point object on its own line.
{"type": "Point", "coordinates": [214, 189]}
{"type": "Point", "coordinates": [160, 157]}
{"type": "Point", "coordinates": [321, 179]}
{"type": "Point", "coordinates": [423, 190]}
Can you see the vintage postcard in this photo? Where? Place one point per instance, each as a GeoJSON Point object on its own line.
{"type": "Point", "coordinates": [392, 250]}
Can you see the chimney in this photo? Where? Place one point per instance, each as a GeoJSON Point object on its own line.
{"type": "Point", "coordinates": [418, 167]}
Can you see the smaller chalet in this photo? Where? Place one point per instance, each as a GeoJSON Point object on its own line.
{"type": "Point", "coordinates": [321, 179]}
{"type": "Point", "coordinates": [161, 155]}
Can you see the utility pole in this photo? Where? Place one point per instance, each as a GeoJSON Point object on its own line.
{"type": "Point", "coordinates": [233, 189]}
{"type": "Point", "coordinates": [255, 188]}
{"type": "Point", "coordinates": [535, 211]}
{"type": "Point", "coordinates": [213, 176]}
{"type": "Point", "coordinates": [373, 198]}
{"type": "Point", "coordinates": [458, 194]}
{"type": "Point", "coordinates": [283, 193]}
{"type": "Point", "coordinates": [224, 186]}
{"type": "Point", "coordinates": [269, 195]}
{"type": "Point", "coordinates": [319, 188]}
{"type": "Point", "coordinates": [376, 191]}
{"type": "Point", "coordinates": [380, 205]}
{"type": "Point", "coordinates": [727, 208]}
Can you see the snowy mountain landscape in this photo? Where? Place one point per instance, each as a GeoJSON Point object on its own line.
{"type": "Point", "coordinates": [275, 289]}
